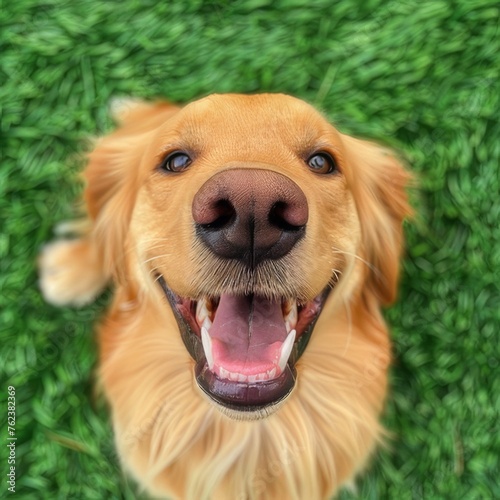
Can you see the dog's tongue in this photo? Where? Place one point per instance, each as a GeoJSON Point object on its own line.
{"type": "Point", "coordinates": [247, 334]}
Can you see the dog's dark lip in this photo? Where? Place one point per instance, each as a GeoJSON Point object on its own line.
{"type": "Point", "coordinates": [240, 396]}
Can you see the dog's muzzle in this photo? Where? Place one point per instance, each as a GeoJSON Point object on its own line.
{"type": "Point", "coordinates": [246, 346]}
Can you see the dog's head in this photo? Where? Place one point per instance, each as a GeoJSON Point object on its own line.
{"type": "Point", "coordinates": [247, 213]}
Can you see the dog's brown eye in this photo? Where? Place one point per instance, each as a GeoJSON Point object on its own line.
{"type": "Point", "coordinates": [176, 162]}
{"type": "Point", "coordinates": [322, 163]}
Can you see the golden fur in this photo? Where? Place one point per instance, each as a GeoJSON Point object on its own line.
{"type": "Point", "coordinates": [170, 437]}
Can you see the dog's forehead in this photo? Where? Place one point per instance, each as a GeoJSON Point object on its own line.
{"type": "Point", "coordinates": [255, 104]}
{"type": "Point", "coordinates": [252, 118]}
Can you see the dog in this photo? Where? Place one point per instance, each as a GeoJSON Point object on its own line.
{"type": "Point", "coordinates": [251, 246]}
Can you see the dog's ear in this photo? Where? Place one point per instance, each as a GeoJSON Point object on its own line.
{"type": "Point", "coordinates": [112, 173]}
{"type": "Point", "coordinates": [378, 182]}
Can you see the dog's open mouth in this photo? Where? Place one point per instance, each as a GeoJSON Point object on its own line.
{"type": "Point", "coordinates": [245, 347]}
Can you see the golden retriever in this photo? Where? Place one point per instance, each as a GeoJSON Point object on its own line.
{"type": "Point", "coordinates": [251, 246]}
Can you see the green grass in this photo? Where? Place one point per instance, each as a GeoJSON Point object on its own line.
{"type": "Point", "coordinates": [421, 76]}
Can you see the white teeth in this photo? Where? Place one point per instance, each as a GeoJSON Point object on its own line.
{"type": "Point", "coordinates": [203, 318]}
{"type": "Point", "coordinates": [203, 314]}
{"type": "Point", "coordinates": [206, 324]}
{"type": "Point", "coordinates": [207, 347]}
{"type": "Point", "coordinates": [286, 350]}
{"type": "Point", "coordinates": [291, 317]}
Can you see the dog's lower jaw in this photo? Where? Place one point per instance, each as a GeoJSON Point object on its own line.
{"type": "Point", "coordinates": [255, 412]}
{"type": "Point", "coordinates": [234, 413]}
{"type": "Point", "coordinates": [259, 333]}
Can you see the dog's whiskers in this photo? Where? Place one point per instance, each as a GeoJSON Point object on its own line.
{"type": "Point", "coordinates": [350, 254]}
{"type": "Point", "coordinates": [133, 248]}
{"type": "Point", "coordinates": [161, 256]}
{"type": "Point", "coordinates": [153, 271]}
{"type": "Point", "coordinates": [336, 276]}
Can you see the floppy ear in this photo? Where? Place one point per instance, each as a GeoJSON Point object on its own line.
{"type": "Point", "coordinates": [112, 176]}
{"type": "Point", "coordinates": [378, 182]}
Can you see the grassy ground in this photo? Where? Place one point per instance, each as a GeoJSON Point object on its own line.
{"type": "Point", "coordinates": [422, 76]}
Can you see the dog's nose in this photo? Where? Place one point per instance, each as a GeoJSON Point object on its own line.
{"type": "Point", "coordinates": [250, 214]}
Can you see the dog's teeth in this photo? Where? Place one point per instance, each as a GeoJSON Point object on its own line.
{"type": "Point", "coordinates": [206, 323]}
{"type": "Point", "coordinates": [203, 313]}
{"type": "Point", "coordinates": [291, 316]}
{"type": "Point", "coordinates": [286, 350]}
{"type": "Point", "coordinates": [207, 347]}
{"type": "Point", "coordinates": [233, 376]}
{"type": "Point", "coordinates": [250, 379]}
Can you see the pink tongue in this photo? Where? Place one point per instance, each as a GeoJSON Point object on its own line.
{"type": "Point", "coordinates": [247, 334]}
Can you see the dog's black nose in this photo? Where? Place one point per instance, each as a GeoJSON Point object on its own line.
{"type": "Point", "coordinates": [250, 214]}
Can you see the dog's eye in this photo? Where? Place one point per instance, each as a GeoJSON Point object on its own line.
{"type": "Point", "coordinates": [176, 162]}
{"type": "Point", "coordinates": [322, 163]}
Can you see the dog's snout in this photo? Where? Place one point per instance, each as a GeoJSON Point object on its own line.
{"type": "Point", "coordinates": [250, 215]}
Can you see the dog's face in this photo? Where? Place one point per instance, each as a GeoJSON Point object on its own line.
{"type": "Point", "coordinates": [252, 245]}
{"type": "Point", "coordinates": [246, 220]}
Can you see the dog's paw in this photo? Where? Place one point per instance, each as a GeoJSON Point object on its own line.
{"type": "Point", "coordinates": [70, 272]}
